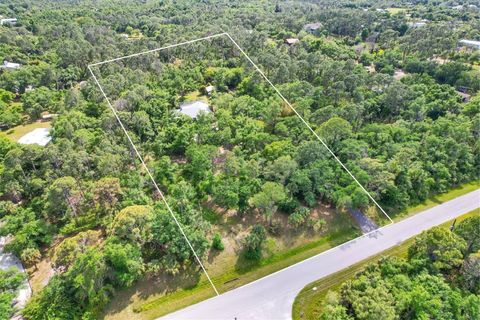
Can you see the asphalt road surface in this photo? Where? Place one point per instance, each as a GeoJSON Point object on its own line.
{"type": "Point", "coordinates": [8, 260]}
{"type": "Point", "coordinates": [271, 297]}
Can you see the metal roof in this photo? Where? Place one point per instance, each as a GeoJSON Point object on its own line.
{"type": "Point", "coordinates": [194, 108]}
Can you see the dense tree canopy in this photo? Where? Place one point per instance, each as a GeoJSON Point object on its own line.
{"type": "Point", "coordinates": [431, 283]}
{"type": "Point", "coordinates": [386, 97]}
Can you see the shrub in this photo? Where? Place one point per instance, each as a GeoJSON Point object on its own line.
{"type": "Point", "coordinates": [254, 241]}
{"type": "Point", "coordinates": [217, 242]}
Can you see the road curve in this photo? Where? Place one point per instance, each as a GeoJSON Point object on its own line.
{"type": "Point", "coordinates": [271, 297]}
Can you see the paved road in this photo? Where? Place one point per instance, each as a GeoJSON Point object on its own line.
{"type": "Point", "coordinates": [271, 297]}
{"type": "Point", "coordinates": [8, 260]}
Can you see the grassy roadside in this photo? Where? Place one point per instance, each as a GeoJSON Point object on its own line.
{"type": "Point", "coordinates": [142, 305]}
{"type": "Point", "coordinates": [308, 303]}
{"type": "Point", "coordinates": [236, 277]}
{"type": "Point", "coordinates": [438, 199]}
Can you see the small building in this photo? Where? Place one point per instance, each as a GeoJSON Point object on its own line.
{"type": "Point", "coordinates": [416, 25]}
{"type": "Point", "coordinates": [47, 116]}
{"type": "Point", "coordinates": [9, 21]}
{"type": "Point", "coordinates": [472, 44]}
{"type": "Point", "coordinates": [312, 27]}
{"type": "Point", "coordinates": [38, 136]}
{"type": "Point", "coordinates": [194, 108]}
{"type": "Point", "coordinates": [10, 65]}
{"type": "Point", "coordinates": [209, 90]}
{"type": "Point", "coordinates": [291, 41]}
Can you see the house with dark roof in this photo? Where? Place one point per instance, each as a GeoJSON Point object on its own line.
{"type": "Point", "coordinates": [472, 44]}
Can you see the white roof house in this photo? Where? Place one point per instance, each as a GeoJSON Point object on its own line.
{"type": "Point", "coordinates": [470, 43]}
{"type": "Point", "coordinates": [209, 89]}
{"type": "Point", "coordinates": [416, 25]}
{"type": "Point", "coordinates": [194, 108]}
{"type": "Point", "coordinates": [291, 41]}
{"type": "Point", "coordinates": [38, 136]}
{"type": "Point", "coordinates": [10, 65]}
{"type": "Point", "coordinates": [10, 21]}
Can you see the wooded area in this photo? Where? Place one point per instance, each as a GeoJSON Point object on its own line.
{"type": "Point", "coordinates": [397, 104]}
{"type": "Point", "coordinates": [439, 279]}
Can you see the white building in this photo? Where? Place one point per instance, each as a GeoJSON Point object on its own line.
{"type": "Point", "coordinates": [194, 108]}
{"type": "Point", "coordinates": [416, 25]}
{"type": "Point", "coordinates": [10, 21]}
{"type": "Point", "coordinates": [38, 136]}
{"type": "Point", "coordinates": [10, 65]}
{"type": "Point", "coordinates": [470, 44]}
{"type": "Point", "coordinates": [209, 89]}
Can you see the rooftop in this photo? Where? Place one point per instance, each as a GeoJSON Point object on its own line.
{"type": "Point", "coordinates": [194, 108]}
{"type": "Point", "coordinates": [291, 41]}
{"type": "Point", "coordinates": [10, 65]}
{"type": "Point", "coordinates": [38, 136]}
{"type": "Point", "coordinates": [8, 20]}
{"type": "Point", "coordinates": [471, 43]}
{"type": "Point", "coordinates": [312, 26]}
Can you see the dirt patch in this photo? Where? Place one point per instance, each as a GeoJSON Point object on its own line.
{"type": "Point", "coordinates": [399, 74]}
{"type": "Point", "coordinates": [40, 275]}
{"type": "Point", "coordinates": [233, 228]}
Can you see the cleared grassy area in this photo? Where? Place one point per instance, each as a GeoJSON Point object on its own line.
{"type": "Point", "coordinates": [156, 297]}
{"type": "Point", "coordinates": [17, 132]}
{"type": "Point", "coordinates": [196, 96]}
{"type": "Point", "coordinates": [309, 302]}
{"type": "Point", "coordinates": [396, 10]}
{"type": "Point", "coordinates": [438, 199]}
{"type": "Point", "coordinates": [247, 272]}
{"type": "Point", "coordinates": [236, 274]}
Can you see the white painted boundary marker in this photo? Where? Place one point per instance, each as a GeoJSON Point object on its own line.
{"type": "Point", "coordinates": [269, 82]}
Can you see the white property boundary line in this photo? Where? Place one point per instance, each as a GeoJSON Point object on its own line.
{"type": "Point", "coordinates": [269, 82]}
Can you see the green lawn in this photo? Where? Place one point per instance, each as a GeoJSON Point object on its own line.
{"type": "Point", "coordinates": [17, 132]}
{"type": "Point", "coordinates": [196, 96]}
{"type": "Point", "coordinates": [308, 303]}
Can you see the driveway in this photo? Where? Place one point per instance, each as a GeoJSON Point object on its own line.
{"type": "Point", "coordinates": [271, 297]}
{"type": "Point", "coordinates": [364, 222]}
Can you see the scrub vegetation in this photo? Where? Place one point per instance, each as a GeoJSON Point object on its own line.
{"type": "Point", "coordinates": [252, 187]}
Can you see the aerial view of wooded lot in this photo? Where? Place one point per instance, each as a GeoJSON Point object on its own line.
{"type": "Point", "coordinates": [390, 87]}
